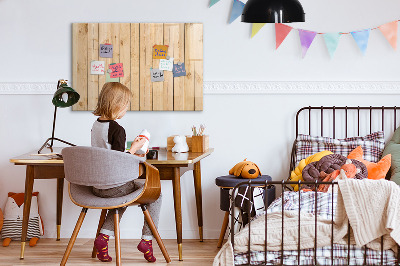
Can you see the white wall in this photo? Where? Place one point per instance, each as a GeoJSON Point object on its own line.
{"type": "Point", "coordinates": [36, 47]}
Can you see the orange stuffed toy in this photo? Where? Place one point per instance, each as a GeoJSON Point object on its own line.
{"type": "Point", "coordinates": [347, 170]}
{"type": "Point", "coordinates": [375, 170]}
{"type": "Point", "coordinates": [245, 169]}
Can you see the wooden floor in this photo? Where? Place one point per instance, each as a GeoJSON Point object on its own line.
{"type": "Point", "coordinates": [50, 252]}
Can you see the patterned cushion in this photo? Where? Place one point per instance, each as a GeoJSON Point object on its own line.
{"type": "Point", "coordinates": [372, 144]}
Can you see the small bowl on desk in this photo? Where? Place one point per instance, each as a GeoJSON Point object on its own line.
{"type": "Point", "coordinates": [152, 155]}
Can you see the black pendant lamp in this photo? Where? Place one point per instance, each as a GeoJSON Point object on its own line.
{"type": "Point", "coordinates": [273, 11]}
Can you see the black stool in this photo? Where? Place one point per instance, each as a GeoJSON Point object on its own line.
{"type": "Point", "coordinates": [226, 183]}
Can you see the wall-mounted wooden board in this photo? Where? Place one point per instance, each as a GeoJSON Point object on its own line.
{"type": "Point", "coordinates": [133, 46]}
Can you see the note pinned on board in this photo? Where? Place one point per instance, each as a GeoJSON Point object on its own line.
{"type": "Point", "coordinates": [157, 75]}
{"type": "Point", "coordinates": [179, 70]}
{"type": "Point", "coordinates": [106, 50]}
{"type": "Point", "coordinates": [97, 67]}
{"type": "Point", "coordinates": [167, 64]}
{"type": "Point", "coordinates": [110, 79]}
{"type": "Point", "coordinates": [160, 51]}
{"type": "Point", "coordinates": [117, 70]}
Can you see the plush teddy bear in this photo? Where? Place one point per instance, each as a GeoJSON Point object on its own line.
{"type": "Point", "coordinates": [180, 144]}
{"type": "Point", "coordinates": [245, 169]}
{"type": "Point", "coordinates": [13, 215]}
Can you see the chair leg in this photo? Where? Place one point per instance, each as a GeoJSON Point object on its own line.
{"type": "Point", "coordinates": [223, 229]}
{"type": "Point", "coordinates": [117, 238]}
{"type": "Point", "coordinates": [73, 237]}
{"type": "Point", "coordinates": [101, 222]}
{"type": "Point", "coordinates": [154, 230]}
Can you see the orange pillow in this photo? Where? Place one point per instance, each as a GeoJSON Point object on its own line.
{"type": "Point", "coordinates": [375, 170]}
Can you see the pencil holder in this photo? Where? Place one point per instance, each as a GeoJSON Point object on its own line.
{"type": "Point", "coordinates": [200, 143]}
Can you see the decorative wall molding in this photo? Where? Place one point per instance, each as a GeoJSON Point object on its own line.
{"type": "Point", "coordinates": [251, 87]}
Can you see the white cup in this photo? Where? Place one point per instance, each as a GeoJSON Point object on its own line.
{"type": "Point", "coordinates": [144, 134]}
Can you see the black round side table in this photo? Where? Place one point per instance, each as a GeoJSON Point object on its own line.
{"type": "Point", "coordinates": [228, 182]}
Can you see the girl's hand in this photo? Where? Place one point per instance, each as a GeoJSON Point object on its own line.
{"type": "Point", "coordinates": [137, 144]}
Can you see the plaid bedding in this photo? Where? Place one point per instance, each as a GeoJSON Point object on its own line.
{"type": "Point", "coordinates": [372, 145]}
{"type": "Point", "coordinates": [322, 207]}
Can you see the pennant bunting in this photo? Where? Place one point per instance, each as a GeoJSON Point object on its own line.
{"type": "Point", "coordinates": [213, 2]}
{"type": "Point", "coordinates": [306, 39]}
{"type": "Point", "coordinates": [281, 31]}
{"type": "Point", "coordinates": [389, 30]}
{"type": "Point", "coordinates": [361, 37]}
{"type": "Point", "coordinates": [237, 10]}
{"type": "Point", "coordinates": [256, 28]}
{"type": "Point", "coordinates": [332, 41]}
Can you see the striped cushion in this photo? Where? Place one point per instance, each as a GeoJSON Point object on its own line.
{"type": "Point", "coordinates": [13, 228]}
{"type": "Point", "coordinates": [372, 145]}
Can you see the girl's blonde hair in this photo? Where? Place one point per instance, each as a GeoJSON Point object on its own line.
{"type": "Point", "coordinates": [113, 97]}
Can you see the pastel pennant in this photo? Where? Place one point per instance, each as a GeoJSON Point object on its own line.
{"type": "Point", "coordinates": [332, 41]}
{"type": "Point", "coordinates": [361, 37]}
{"type": "Point", "coordinates": [256, 28]}
{"type": "Point", "coordinates": [237, 9]}
{"type": "Point", "coordinates": [213, 2]}
{"type": "Point", "coordinates": [389, 30]}
{"type": "Point", "coordinates": [306, 39]}
{"type": "Point", "coordinates": [281, 31]}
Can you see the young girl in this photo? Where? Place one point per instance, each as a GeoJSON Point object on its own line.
{"type": "Point", "coordinates": [114, 100]}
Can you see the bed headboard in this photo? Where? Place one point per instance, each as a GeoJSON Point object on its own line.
{"type": "Point", "coordinates": [344, 121]}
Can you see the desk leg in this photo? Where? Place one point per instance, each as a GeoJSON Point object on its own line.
{"type": "Point", "coordinates": [199, 204]}
{"type": "Point", "coordinates": [27, 206]}
{"type": "Point", "coordinates": [176, 182]}
{"type": "Point", "coordinates": [60, 190]}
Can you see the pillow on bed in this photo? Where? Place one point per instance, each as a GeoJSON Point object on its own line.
{"type": "Point", "coordinates": [377, 170]}
{"type": "Point", "coordinates": [372, 145]}
{"type": "Point", "coordinates": [393, 148]}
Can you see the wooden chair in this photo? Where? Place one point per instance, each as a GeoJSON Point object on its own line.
{"type": "Point", "coordinates": [85, 167]}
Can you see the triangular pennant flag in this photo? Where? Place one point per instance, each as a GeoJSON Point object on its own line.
{"type": "Point", "coordinates": [281, 31]}
{"type": "Point", "coordinates": [361, 37]}
{"type": "Point", "coordinates": [390, 32]}
{"type": "Point", "coordinates": [237, 9]}
{"type": "Point", "coordinates": [213, 2]}
{"type": "Point", "coordinates": [256, 28]}
{"type": "Point", "coordinates": [332, 41]}
{"type": "Point", "coordinates": [306, 39]}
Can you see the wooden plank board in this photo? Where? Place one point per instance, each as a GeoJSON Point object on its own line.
{"type": "Point", "coordinates": [93, 55]}
{"type": "Point", "coordinates": [135, 65]}
{"type": "Point", "coordinates": [189, 65]}
{"type": "Point", "coordinates": [157, 31]}
{"type": "Point", "coordinates": [80, 62]}
{"type": "Point", "coordinates": [146, 62]}
{"type": "Point", "coordinates": [125, 52]}
{"type": "Point", "coordinates": [198, 67]}
{"type": "Point", "coordinates": [174, 36]}
{"type": "Point", "coordinates": [105, 36]}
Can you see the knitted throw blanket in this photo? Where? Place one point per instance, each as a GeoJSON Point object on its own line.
{"type": "Point", "coordinates": [371, 206]}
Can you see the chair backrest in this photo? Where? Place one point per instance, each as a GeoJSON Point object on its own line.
{"type": "Point", "coordinates": [91, 166]}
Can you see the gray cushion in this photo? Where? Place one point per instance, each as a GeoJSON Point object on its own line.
{"type": "Point", "coordinates": [393, 148]}
{"type": "Point", "coordinates": [83, 195]}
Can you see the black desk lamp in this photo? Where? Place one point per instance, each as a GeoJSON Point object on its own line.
{"type": "Point", "coordinates": [273, 11]}
{"type": "Point", "coordinates": [64, 97]}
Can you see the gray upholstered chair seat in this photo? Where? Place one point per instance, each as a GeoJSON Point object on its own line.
{"type": "Point", "coordinates": [83, 195]}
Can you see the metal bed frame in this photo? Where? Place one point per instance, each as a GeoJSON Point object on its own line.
{"type": "Point", "coordinates": [283, 184]}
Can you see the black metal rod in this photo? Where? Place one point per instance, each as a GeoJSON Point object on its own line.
{"type": "Point", "coordinates": [334, 108]}
{"type": "Point", "coordinates": [266, 220]}
{"type": "Point", "coordinates": [346, 120]}
{"type": "Point", "coordinates": [315, 222]}
{"type": "Point", "coordinates": [283, 210]}
{"type": "Point", "coordinates": [333, 189]}
{"type": "Point", "coordinates": [298, 226]}
{"type": "Point", "coordinates": [322, 121]}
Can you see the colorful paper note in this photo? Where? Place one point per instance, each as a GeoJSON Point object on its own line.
{"type": "Point", "coordinates": [110, 79]}
{"type": "Point", "coordinates": [117, 70]}
{"type": "Point", "coordinates": [237, 9]}
{"type": "Point", "coordinates": [281, 31]}
{"type": "Point", "coordinates": [306, 39]}
{"type": "Point", "coordinates": [167, 64]}
{"type": "Point", "coordinates": [157, 75]}
{"type": "Point", "coordinates": [160, 51]}
{"type": "Point", "coordinates": [179, 70]}
{"type": "Point", "coordinates": [361, 38]}
{"type": "Point", "coordinates": [389, 30]}
{"type": "Point", "coordinates": [332, 41]}
{"type": "Point", "coordinates": [106, 50]}
{"type": "Point", "coordinates": [97, 67]}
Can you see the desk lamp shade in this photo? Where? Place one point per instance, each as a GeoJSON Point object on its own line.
{"type": "Point", "coordinates": [273, 11]}
{"type": "Point", "coordinates": [64, 96]}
